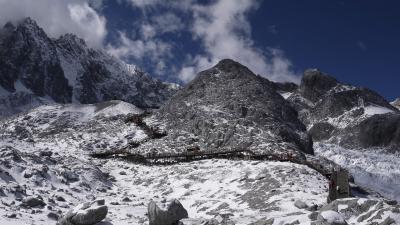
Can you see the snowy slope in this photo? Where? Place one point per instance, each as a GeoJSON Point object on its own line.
{"type": "Point", "coordinates": [43, 154]}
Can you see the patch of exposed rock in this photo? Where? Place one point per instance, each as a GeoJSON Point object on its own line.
{"type": "Point", "coordinates": [89, 213]}
{"type": "Point", "coordinates": [169, 216]}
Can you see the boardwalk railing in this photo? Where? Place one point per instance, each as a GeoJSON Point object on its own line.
{"type": "Point", "coordinates": [169, 158]}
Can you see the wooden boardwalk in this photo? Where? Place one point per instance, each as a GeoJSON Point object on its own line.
{"type": "Point", "coordinates": [171, 158]}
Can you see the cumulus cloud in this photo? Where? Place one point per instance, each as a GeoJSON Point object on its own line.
{"type": "Point", "coordinates": [59, 17]}
{"type": "Point", "coordinates": [223, 29]}
{"type": "Point", "coordinates": [141, 49]}
{"type": "Point", "coordinates": [168, 22]}
{"type": "Point", "coordinates": [225, 32]}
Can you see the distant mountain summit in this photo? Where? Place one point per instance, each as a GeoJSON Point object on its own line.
{"type": "Point", "coordinates": [35, 69]}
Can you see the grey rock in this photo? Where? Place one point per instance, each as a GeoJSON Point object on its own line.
{"type": "Point", "coordinates": [53, 216]}
{"type": "Point", "coordinates": [264, 221]}
{"type": "Point", "coordinates": [321, 131]}
{"type": "Point", "coordinates": [315, 84]}
{"type": "Point", "coordinates": [377, 131]}
{"type": "Point", "coordinates": [300, 204]}
{"type": "Point", "coordinates": [33, 202]}
{"type": "Point", "coordinates": [313, 216]}
{"type": "Point", "coordinates": [89, 213]}
{"type": "Point", "coordinates": [60, 198]}
{"type": "Point", "coordinates": [170, 216]}
{"type": "Point", "coordinates": [11, 216]}
{"type": "Point", "coordinates": [333, 219]}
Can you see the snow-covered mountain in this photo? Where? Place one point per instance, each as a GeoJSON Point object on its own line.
{"type": "Point", "coordinates": [35, 69]}
{"type": "Point", "coordinates": [66, 95]}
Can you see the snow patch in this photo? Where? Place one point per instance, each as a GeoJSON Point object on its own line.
{"type": "Point", "coordinates": [286, 95]}
{"type": "Point", "coordinates": [20, 87]}
{"type": "Point", "coordinates": [374, 110]}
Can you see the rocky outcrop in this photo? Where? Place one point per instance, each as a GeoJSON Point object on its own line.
{"type": "Point", "coordinates": [228, 106]}
{"type": "Point", "coordinates": [381, 130]}
{"type": "Point", "coordinates": [170, 216]}
{"type": "Point", "coordinates": [315, 84]}
{"type": "Point", "coordinates": [89, 213]}
{"type": "Point", "coordinates": [358, 211]}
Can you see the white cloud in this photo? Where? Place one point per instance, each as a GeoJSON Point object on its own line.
{"type": "Point", "coordinates": [225, 32]}
{"type": "Point", "coordinates": [168, 22]}
{"type": "Point", "coordinates": [58, 17]}
{"type": "Point", "coordinates": [141, 49]}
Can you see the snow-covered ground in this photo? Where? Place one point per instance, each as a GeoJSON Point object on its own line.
{"type": "Point", "coordinates": [43, 154]}
{"type": "Point", "coordinates": [246, 190]}
{"type": "Point", "coordinates": [371, 168]}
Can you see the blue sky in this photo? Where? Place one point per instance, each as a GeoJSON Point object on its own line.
{"type": "Point", "coordinates": [357, 41]}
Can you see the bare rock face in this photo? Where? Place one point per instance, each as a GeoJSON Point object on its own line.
{"type": "Point", "coordinates": [173, 213]}
{"type": "Point", "coordinates": [228, 106]}
{"type": "Point", "coordinates": [377, 131]}
{"type": "Point", "coordinates": [89, 213]}
{"type": "Point", "coordinates": [315, 84]}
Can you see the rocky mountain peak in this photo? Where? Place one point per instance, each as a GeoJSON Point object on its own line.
{"type": "Point", "coordinates": [29, 27]}
{"type": "Point", "coordinates": [315, 83]}
{"type": "Point", "coordinates": [229, 65]}
{"type": "Point", "coordinates": [9, 26]}
{"type": "Point", "coordinates": [222, 104]}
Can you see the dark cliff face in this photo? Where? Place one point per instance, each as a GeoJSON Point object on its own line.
{"type": "Point", "coordinates": [230, 106]}
{"type": "Point", "coordinates": [66, 70]}
{"type": "Point", "coordinates": [28, 55]}
{"type": "Point", "coordinates": [315, 84]}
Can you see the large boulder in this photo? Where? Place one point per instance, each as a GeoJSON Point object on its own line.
{"type": "Point", "coordinates": [330, 218]}
{"type": "Point", "coordinates": [33, 202]}
{"type": "Point", "coordinates": [169, 216]}
{"type": "Point", "coordinates": [89, 213]}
